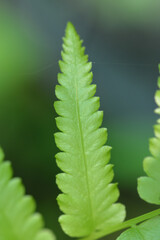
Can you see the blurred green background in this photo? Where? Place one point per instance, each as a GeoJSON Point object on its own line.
{"type": "Point", "coordinates": [122, 40]}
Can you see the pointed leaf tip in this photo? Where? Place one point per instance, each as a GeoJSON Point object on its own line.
{"type": "Point", "coordinates": [70, 25]}
{"type": "Point", "coordinates": [70, 29]}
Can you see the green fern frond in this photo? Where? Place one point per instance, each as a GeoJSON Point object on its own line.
{"type": "Point", "coordinates": [145, 231]}
{"type": "Point", "coordinates": [149, 186]}
{"type": "Point", "coordinates": [17, 220]}
{"type": "Point", "coordinates": [88, 198]}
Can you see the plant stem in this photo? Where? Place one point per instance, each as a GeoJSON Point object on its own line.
{"type": "Point", "coordinates": [123, 225]}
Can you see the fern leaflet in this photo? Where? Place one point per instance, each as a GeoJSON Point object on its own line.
{"type": "Point", "coordinates": [151, 165]}
{"type": "Point", "coordinates": [88, 198]}
{"type": "Point", "coordinates": [17, 221]}
{"type": "Point", "coordinates": [145, 231]}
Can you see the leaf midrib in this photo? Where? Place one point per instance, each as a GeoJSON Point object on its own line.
{"type": "Point", "coordinates": [82, 145]}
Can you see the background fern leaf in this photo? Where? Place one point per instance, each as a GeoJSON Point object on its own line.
{"type": "Point", "coordinates": [149, 186]}
{"type": "Point", "coordinates": [88, 198]}
{"type": "Point", "coordinates": [145, 231]}
{"type": "Point", "coordinates": [17, 220]}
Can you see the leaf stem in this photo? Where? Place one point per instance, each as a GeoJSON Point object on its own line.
{"type": "Point", "coordinates": [123, 225]}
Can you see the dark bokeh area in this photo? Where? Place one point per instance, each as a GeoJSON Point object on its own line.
{"type": "Point", "coordinates": [122, 40]}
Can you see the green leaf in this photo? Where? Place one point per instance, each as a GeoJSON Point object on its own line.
{"type": "Point", "coordinates": [17, 218]}
{"type": "Point", "coordinates": [149, 186]}
{"type": "Point", "coordinates": [145, 231]}
{"type": "Point", "coordinates": [88, 198]}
